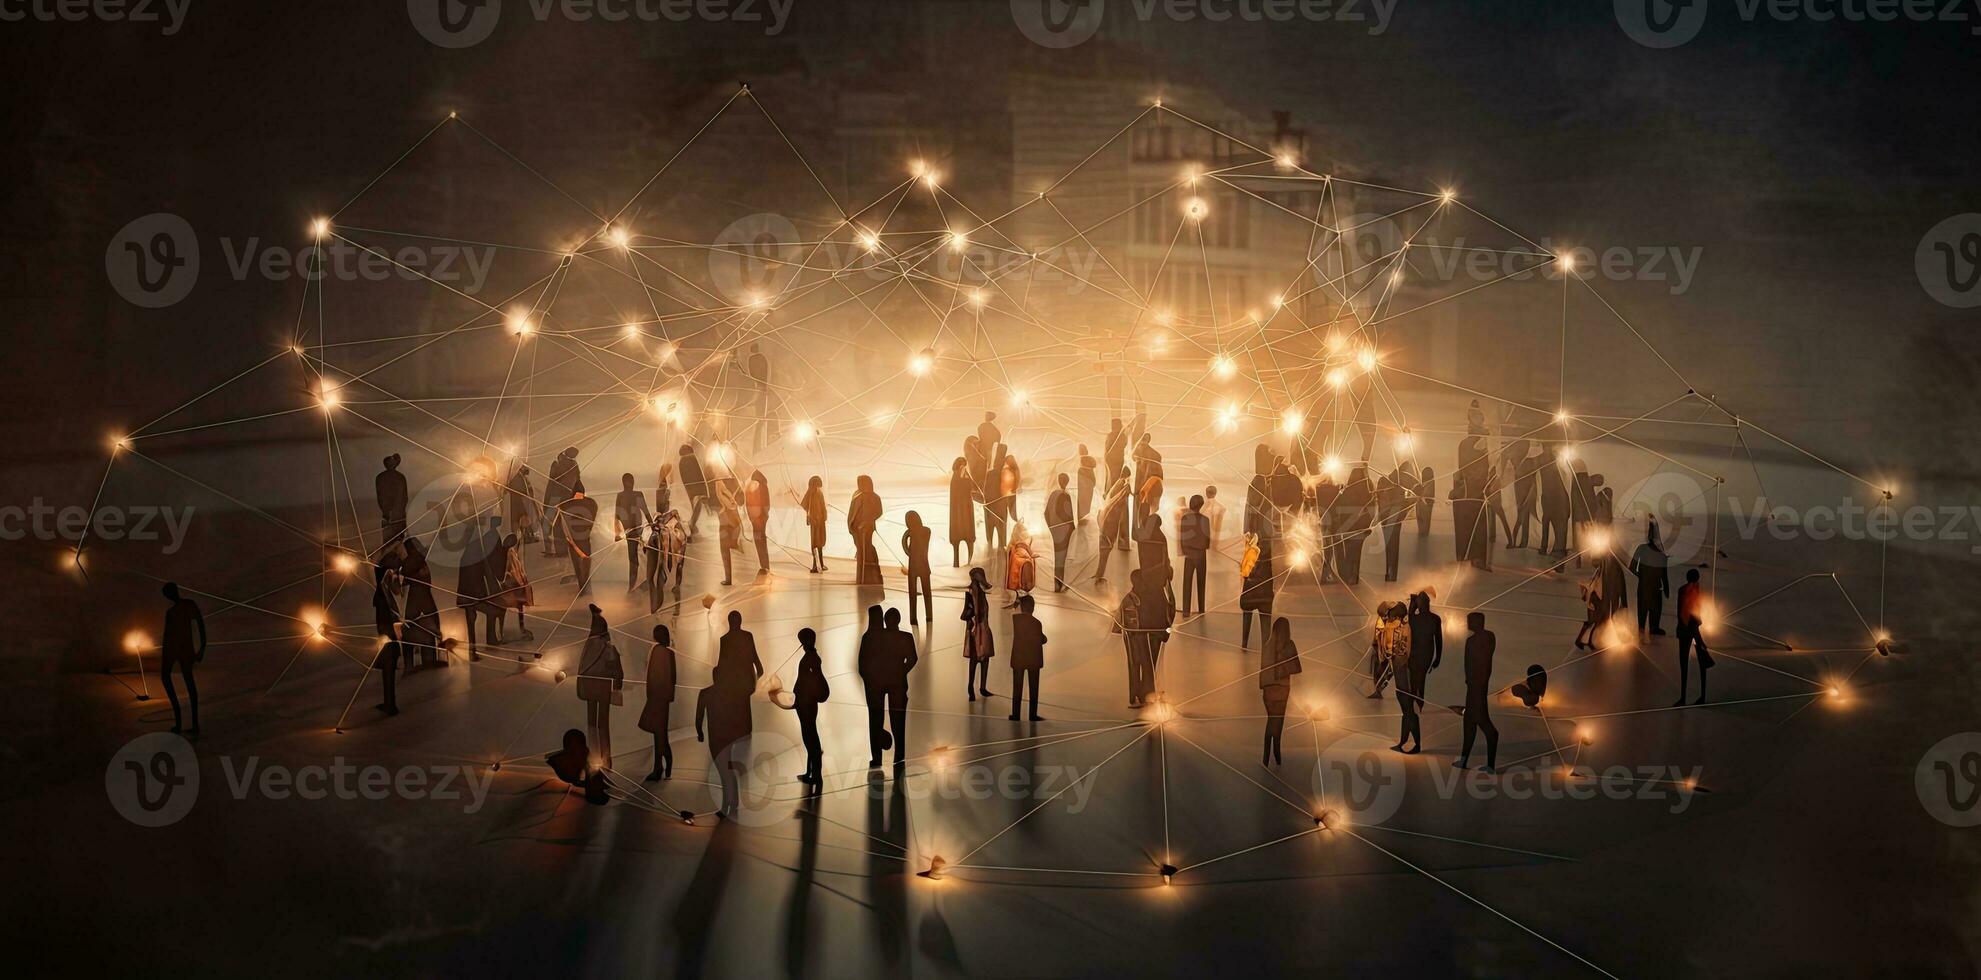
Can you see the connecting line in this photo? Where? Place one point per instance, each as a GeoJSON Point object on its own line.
{"type": "Point", "coordinates": [1304, 810]}
{"type": "Point", "coordinates": [1309, 832]}
{"type": "Point", "coordinates": [1469, 843]}
{"type": "Point", "coordinates": [1454, 889]}
{"type": "Point", "coordinates": [1089, 774]}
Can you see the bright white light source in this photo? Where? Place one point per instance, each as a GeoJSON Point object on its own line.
{"type": "Point", "coordinates": [1291, 421]}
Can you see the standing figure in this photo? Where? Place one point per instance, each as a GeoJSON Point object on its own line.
{"type": "Point", "coordinates": [1152, 553]}
{"type": "Point", "coordinates": [630, 518]}
{"type": "Point", "coordinates": [764, 428]}
{"type": "Point", "coordinates": [472, 586]}
{"type": "Point", "coordinates": [756, 501]}
{"type": "Point", "coordinates": [513, 589]}
{"type": "Point", "coordinates": [660, 702]}
{"type": "Point", "coordinates": [559, 485]}
{"type": "Point", "coordinates": [178, 649]}
{"type": "Point", "coordinates": [1691, 623]}
{"type": "Point", "coordinates": [862, 518]}
{"type": "Point", "coordinates": [1114, 450]}
{"type": "Point", "coordinates": [1134, 640]}
{"type": "Point", "coordinates": [1028, 646]}
{"type": "Point", "coordinates": [1061, 520]}
{"type": "Point", "coordinates": [813, 503]}
{"type": "Point", "coordinates": [990, 448]}
{"type": "Point", "coordinates": [390, 487]}
{"type": "Point", "coordinates": [1256, 590]}
{"type": "Point", "coordinates": [694, 482]}
{"type": "Point", "coordinates": [1193, 540]}
{"type": "Point", "coordinates": [667, 558]}
{"type": "Point", "coordinates": [1357, 503]}
{"type": "Point", "coordinates": [1391, 505]}
{"type": "Point", "coordinates": [1279, 660]}
{"type": "Point", "coordinates": [1526, 493]}
{"type": "Point", "coordinates": [1479, 647]}
{"type": "Point", "coordinates": [898, 660]}
{"type": "Point", "coordinates": [576, 516]}
{"type": "Point", "coordinates": [915, 546]}
{"type": "Point", "coordinates": [725, 708]}
{"type": "Point", "coordinates": [729, 523]}
{"type": "Point", "coordinates": [1648, 563]}
{"type": "Point", "coordinates": [807, 694]}
{"type": "Point", "coordinates": [1389, 647]}
{"type": "Point", "coordinates": [1114, 524]}
{"type": "Point", "coordinates": [1427, 498]}
{"type": "Point", "coordinates": [663, 490]}
{"type": "Point", "coordinates": [385, 613]}
{"type": "Point", "coordinates": [601, 684]}
{"type": "Point", "coordinates": [1581, 503]}
{"type": "Point", "coordinates": [422, 614]}
{"type": "Point", "coordinates": [736, 654]}
{"type": "Point", "coordinates": [1084, 486]}
{"type": "Point", "coordinates": [1000, 493]}
{"type": "Point", "coordinates": [1554, 505]}
{"type": "Point", "coordinates": [1426, 652]}
{"type": "Point", "coordinates": [1592, 611]}
{"type": "Point", "coordinates": [962, 513]}
{"type": "Point", "coordinates": [521, 496]}
{"type": "Point", "coordinates": [978, 644]}
{"type": "Point", "coordinates": [874, 677]}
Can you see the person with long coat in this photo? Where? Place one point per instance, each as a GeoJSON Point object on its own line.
{"type": "Point", "coordinates": [1554, 506]}
{"type": "Point", "coordinates": [915, 547]}
{"type": "Point", "coordinates": [1128, 621]}
{"type": "Point", "coordinates": [391, 629]}
{"type": "Point", "coordinates": [422, 614]}
{"type": "Point", "coordinates": [1028, 644]}
{"type": "Point", "coordinates": [1084, 483]}
{"type": "Point", "coordinates": [756, 501]}
{"type": "Point", "coordinates": [601, 682]}
{"type": "Point", "coordinates": [1060, 523]}
{"type": "Point", "coordinates": [978, 644]}
{"type": "Point", "coordinates": [512, 587]}
{"type": "Point", "coordinates": [1279, 660]}
{"type": "Point", "coordinates": [813, 504]}
{"type": "Point", "coordinates": [1256, 594]}
{"type": "Point", "coordinates": [1114, 523]}
{"type": "Point", "coordinates": [521, 495]}
{"type": "Point", "coordinates": [560, 484]}
{"type": "Point", "coordinates": [862, 519]}
{"type": "Point", "coordinates": [472, 587]}
{"type": "Point", "coordinates": [962, 512]}
{"type": "Point", "coordinates": [660, 702]}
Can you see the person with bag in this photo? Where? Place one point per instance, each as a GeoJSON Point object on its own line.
{"type": "Point", "coordinates": [660, 702]}
{"type": "Point", "coordinates": [1256, 593]}
{"type": "Point", "coordinates": [1279, 660]}
{"type": "Point", "coordinates": [808, 693]}
{"type": "Point", "coordinates": [978, 644]}
{"type": "Point", "coordinates": [601, 684]}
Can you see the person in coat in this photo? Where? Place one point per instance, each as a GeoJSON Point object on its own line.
{"type": "Point", "coordinates": [660, 702]}
{"type": "Point", "coordinates": [756, 502]}
{"type": "Point", "coordinates": [1193, 541]}
{"type": "Point", "coordinates": [729, 523]}
{"type": "Point", "coordinates": [390, 488]}
{"type": "Point", "coordinates": [1256, 594]}
{"type": "Point", "coordinates": [1028, 645]}
{"type": "Point", "coordinates": [1060, 523]}
{"type": "Point", "coordinates": [694, 482]}
{"type": "Point", "coordinates": [862, 519]}
{"type": "Point", "coordinates": [1084, 484]}
{"type": "Point", "coordinates": [1479, 648]}
{"type": "Point", "coordinates": [978, 644]}
{"type": "Point", "coordinates": [1279, 660]}
{"type": "Point", "coordinates": [601, 680]}
{"type": "Point", "coordinates": [808, 693]}
{"type": "Point", "coordinates": [813, 504]}
{"type": "Point", "coordinates": [472, 587]}
{"type": "Point", "coordinates": [559, 485]}
{"type": "Point", "coordinates": [1114, 523]}
{"type": "Point", "coordinates": [962, 513]}
{"type": "Point", "coordinates": [422, 614]}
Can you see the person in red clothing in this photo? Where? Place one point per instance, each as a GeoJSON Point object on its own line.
{"type": "Point", "coordinates": [1691, 616]}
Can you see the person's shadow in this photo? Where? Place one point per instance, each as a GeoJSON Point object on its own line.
{"type": "Point", "coordinates": [887, 819]}
{"type": "Point", "coordinates": [797, 918]}
{"type": "Point", "coordinates": [696, 913]}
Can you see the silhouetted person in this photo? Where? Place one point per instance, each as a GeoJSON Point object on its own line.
{"type": "Point", "coordinates": [1060, 523]}
{"type": "Point", "coordinates": [390, 487]}
{"type": "Point", "coordinates": [1279, 660]}
{"type": "Point", "coordinates": [559, 485]}
{"type": "Point", "coordinates": [1389, 647]}
{"type": "Point", "coordinates": [874, 677]}
{"type": "Point", "coordinates": [385, 614]}
{"type": "Point", "coordinates": [1028, 645]}
{"type": "Point", "coordinates": [630, 518]}
{"type": "Point", "coordinates": [1152, 554]}
{"type": "Point", "coordinates": [1128, 621]}
{"type": "Point", "coordinates": [862, 517]}
{"type": "Point", "coordinates": [179, 649]}
{"type": "Point", "coordinates": [1193, 538]}
{"type": "Point", "coordinates": [573, 765]}
{"type": "Point", "coordinates": [660, 702]}
{"type": "Point", "coordinates": [1392, 508]}
{"type": "Point", "coordinates": [990, 444]}
{"type": "Point", "coordinates": [1554, 505]}
{"type": "Point", "coordinates": [1148, 479]}
{"type": "Point", "coordinates": [1650, 566]}
{"type": "Point", "coordinates": [512, 588]}
{"type": "Point", "coordinates": [1427, 499]}
{"type": "Point", "coordinates": [1256, 592]}
{"type": "Point", "coordinates": [962, 513]}
{"type": "Point", "coordinates": [1581, 504]}
{"type": "Point", "coordinates": [1426, 653]}
{"type": "Point", "coordinates": [758, 368]}
{"type": "Point", "coordinates": [729, 524]}
{"type": "Point", "coordinates": [1691, 620]}
{"type": "Point", "coordinates": [577, 516]}
{"type": "Point", "coordinates": [807, 694]}
{"type": "Point", "coordinates": [736, 652]}
{"type": "Point", "coordinates": [1114, 524]}
{"type": "Point", "coordinates": [978, 644]}
{"type": "Point", "coordinates": [472, 587]}
{"type": "Point", "coordinates": [1479, 647]}
{"type": "Point", "coordinates": [1526, 493]}
{"type": "Point", "coordinates": [915, 547]}
{"type": "Point", "coordinates": [756, 503]}
{"type": "Point", "coordinates": [1001, 501]}
{"type": "Point", "coordinates": [1357, 503]}
{"type": "Point", "coordinates": [1114, 450]}
{"type": "Point", "coordinates": [601, 682]}
{"type": "Point", "coordinates": [724, 708]}
{"type": "Point", "coordinates": [522, 499]}
{"type": "Point", "coordinates": [694, 482]}
{"type": "Point", "coordinates": [898, 660]}
{"type": "Point", "coordinates": [1592, 612]}
{"type": "Point", "coordinates": [422, 614]}
{"type": "Point", "coordinates": [1214, 511]}
{"type": "Point", "coordinates": [813, 504]}
{"type": "Point", "coordinates": [1087, 476]}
